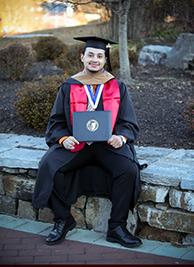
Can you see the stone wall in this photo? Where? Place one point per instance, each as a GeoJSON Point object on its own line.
{"type": "Point", "coordinates": [165, 209]}
{"type": "Point", "coordinates": [163, 212]}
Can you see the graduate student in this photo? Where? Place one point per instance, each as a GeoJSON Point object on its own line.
{"type": "Point", "coordinates": [71, 168]}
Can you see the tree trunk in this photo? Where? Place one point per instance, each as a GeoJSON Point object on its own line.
{"type": "Point", "coordinates": [138, 19]}
{"type": "Point", "coordinates": [113, 27]}
{"type": "Point", "coordinates": [125, 71]}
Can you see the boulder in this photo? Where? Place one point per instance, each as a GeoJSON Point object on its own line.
{"type": "Point", "coordinates": [182, 53]}
{"type": "Point", "coordinates": [153, 54]}
{"type": "Point", "coordinates": [39, 69]}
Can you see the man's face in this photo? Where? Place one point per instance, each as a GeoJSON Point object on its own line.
{"type": "Point", "coordinates": [94, 59]}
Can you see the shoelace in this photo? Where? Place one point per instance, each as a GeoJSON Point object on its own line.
{"type": "Point", "coordinates": [58, 227]}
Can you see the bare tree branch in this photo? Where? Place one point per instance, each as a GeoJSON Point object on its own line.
{"type": "Point", "coordinates": [76, 3]}
{"type": "Point", "coordinates": [80, 2]}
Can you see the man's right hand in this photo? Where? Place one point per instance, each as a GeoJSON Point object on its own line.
{"type": "Point", "coordinates": [70, 143]}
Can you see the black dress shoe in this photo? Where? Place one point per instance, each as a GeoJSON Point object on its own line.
{"type": "Point", "coordinates": [122, 236]}
{"type": "Point", "coordinates": [59, 231]}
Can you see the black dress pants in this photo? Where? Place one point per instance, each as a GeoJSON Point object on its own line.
{"type": "Point", "coordinates": [123, 173]}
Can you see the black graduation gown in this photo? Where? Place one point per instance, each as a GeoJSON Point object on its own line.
{"type": "Point", "coordinates": [94, 180]}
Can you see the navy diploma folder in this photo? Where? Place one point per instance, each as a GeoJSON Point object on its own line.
{"type": "Point", "coordinates": [92, 126]}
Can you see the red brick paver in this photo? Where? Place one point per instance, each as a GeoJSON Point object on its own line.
{"type": "Point", "coordinates": [18, 247]}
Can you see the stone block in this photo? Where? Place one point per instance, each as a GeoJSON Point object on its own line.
{"type": "Point", "coordinates": [182, 155]}
{"type": "Point", "coordinates": [2, 191]}
{"type": "Point", "coordinates": [25, 141]}
{"type": "Point", "coordinates": [79, 217]}
{"type": "Point", "coordinates": [167, 172]}
{"type": "Point", "coordinates": [45, 215]}
{"type": "Point", "coordinates": [25, 210]}
{"type": "Point", "coordinates": [23, 171]}
{"type": "Point", "coordinates": [174, 169]}
{"type": "Point", "coordinates": [78, 212]}
{"type": "Point", "coordinates": [10, 183]}
{"type": "Point", "coordinates": [152, 154]}
{"type": "Point", "coordinates": [81, 202]}
{"type": "Point", "coordinates": [21, 158]}
{"type": "Point", "coordinates": [26, 189]}
{"type": "Point", "coordinates": [7, 205]}
{"type": "Point", "coordinates": [170, 219]}
{"type": "Point", "coordinates": [182, 200]}
{"type": "Point", "coordinates": [187, 182]}
{"type": "Point", "coordinates": [153, 193]}
{"type": "Point", "coordinates": [11, 170]}
{"type": "Point", "coordinates": [157, 175]}
{"type": "Point", "coordinates": [160, 206]}
{"type": "Point", "coordinates": [32, 173]}
{"type": "Point", "coordinates": [19, 187]}
{"type": "Point", "coordinates": [188, 240]}
{"type": "Point", "coordinates": [153, 233]}
{"type": "Point", "coordinates": [184, 158]}
{"type": "Point", "coordinates": [98, 213]}
{"type": "Point", "coordinates": [132, 221]}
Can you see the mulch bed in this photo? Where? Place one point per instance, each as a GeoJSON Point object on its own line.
{"type": "Point", "coordinates": [160, 96]}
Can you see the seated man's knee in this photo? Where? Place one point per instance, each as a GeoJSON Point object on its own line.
{"type": "Point", "coordinates": [132, 170]}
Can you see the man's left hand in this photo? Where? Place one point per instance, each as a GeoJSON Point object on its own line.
{"type": "Point", "coordinates": [115, 141]}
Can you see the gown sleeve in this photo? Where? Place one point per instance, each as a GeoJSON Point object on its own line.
{"type": "Point", "coordinates": [57, 125]}
{"type": "Point", "coordinates": [126, 124]}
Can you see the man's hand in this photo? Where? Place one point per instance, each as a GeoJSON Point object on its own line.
{"type": "Point", "coordinates": [115, 141]}
{"type": "Point", "coordinates": [70, 143]}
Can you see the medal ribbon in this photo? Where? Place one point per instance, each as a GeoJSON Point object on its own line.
{"type": "Point", "coordinates": [94, 98]}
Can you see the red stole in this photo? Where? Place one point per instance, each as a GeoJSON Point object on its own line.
{"type": "Point", "coordinates": [79, 102]}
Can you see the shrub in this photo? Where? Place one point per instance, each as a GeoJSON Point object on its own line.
{"type": "Point", "coordinates": [69, 60]}
{"type": "Point", "coordinates": [189, 113]}
{"type": "Point", "coordinates": [14, 60]}
{"type": "Point", "coordinates": [114, 59]}
{"type": "Point", "coordinates": [166, 31]}
{"type": "Point", "coordinates": [133, 56]}
{"type": "Point", "coordinates": [49, 48]}
{"type": "Point", "coordinates": [35, 100]}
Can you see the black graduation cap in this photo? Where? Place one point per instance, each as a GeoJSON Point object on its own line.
{"type": "Point", "coordinates": [97, 42]}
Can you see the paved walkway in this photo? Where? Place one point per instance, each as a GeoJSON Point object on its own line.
{"type": "Point", "coordinates": [22, 242]}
